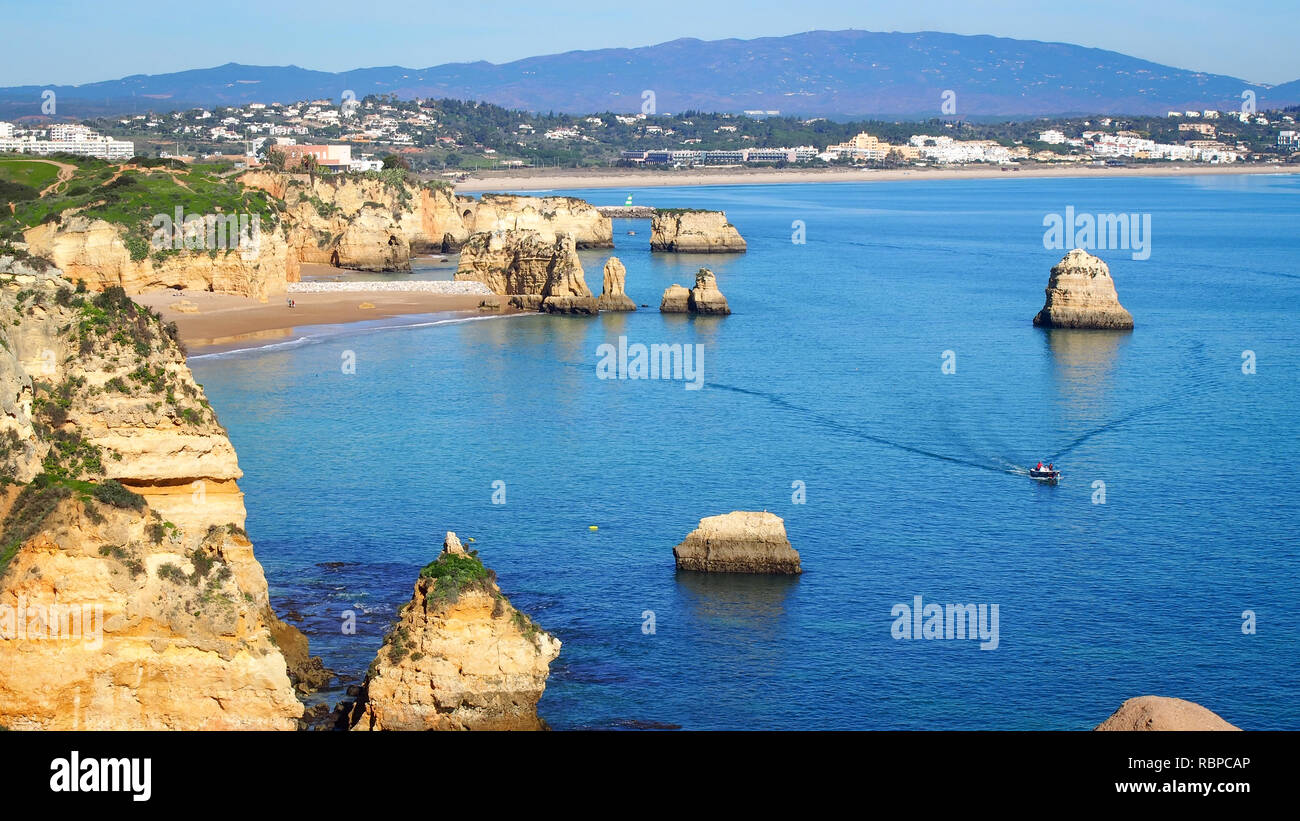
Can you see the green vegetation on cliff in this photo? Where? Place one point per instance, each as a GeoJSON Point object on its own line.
{"type": "Point", "coordinates": [130, 195]}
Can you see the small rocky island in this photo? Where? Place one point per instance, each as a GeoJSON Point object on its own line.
{"type": "Point", "coordinates": [612, 296]}
{"type": "Point", "coordinates": [704, 298]}
{"type": "Point", "coordinates": [1162, 713]}
{"type": "Point", "coordinates": [460, 656]}
{"type": "Point", "coordinates": [739, 542]}
{"type": "Point", "coordinates": [1081, 294]}
{"type": "Point", "coordinates": [685, 230]}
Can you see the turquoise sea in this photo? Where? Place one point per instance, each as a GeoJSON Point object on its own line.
{"type": "Point", "coordinates": [828, 377]}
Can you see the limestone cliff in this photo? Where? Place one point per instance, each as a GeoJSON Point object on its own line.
{"type": "Point", "coordinates": [97, 252]}
{"type": "Point", "coordinates": [121, 493]}
{"type": "Point", "coordinates": [612, 296]}
{"type": "Point", "coordinates": [739, 542]}
{"type": "Point", "coordinates": [685, 231]}
{"type": "Point", "coordinates": [367, 222]}
{"type": "Point", "coordinates": [524, 262]}
{"type": "Point", "coordinates": [1161, 713]}
{"type": "Point", "coordinates": [1081, 294]}
{"type": "Point", "coordinates": [548, 216]}
{"type": "Point", "coordinates": [460, 656]}
{"type": "Point", "coordinates": [676, 300]}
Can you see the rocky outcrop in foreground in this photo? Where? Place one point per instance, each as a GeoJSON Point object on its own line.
{"type": "Point", "coordinates": [546, 274]}
{"type": "Point", "coordinates": [612, 297]}
{"type": "Point", "coordinates": [121, 515]}
{"type": "Point", "coordinates": [1081, 294]}
{"type": "Point", "coordinates": [1161, 713]}
{"type": "Point", "coordinates": [704, 298]}
{"type": "Point", "coordinates": [685, 231]}
{"type": "Point", "coordinates": [460, 656]}
{"type": "Point", "coordinates": [739, 542]}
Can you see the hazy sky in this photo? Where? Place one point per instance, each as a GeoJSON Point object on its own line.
{"type": "Point", "coordinates": [48, 42]}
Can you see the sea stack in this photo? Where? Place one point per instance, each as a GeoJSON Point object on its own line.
{"type": "Point", "coordinates": [460, 656]}
{"type": "Point", "coordinates": [705, 297]}
{"type": "Point", "coordinates": [612, 297]}
{"type": "Point", "coordinates": [676, 300]}
{"type": "Point", "coordinates": [1081, 294]}
{"type": "Point", "coordinates": [685, 230]}
{"type": "Point", "coordinates": [1161, 713]}
{"type": "Point", "coordinates": [739, 542]}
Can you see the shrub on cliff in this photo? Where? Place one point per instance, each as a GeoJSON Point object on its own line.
{"type": "Point", "coordinates": [113, 492]}
{"type": "Point", "coordinates": [454, 574]}
{"type": "Point", "coordinates": [33, 506]}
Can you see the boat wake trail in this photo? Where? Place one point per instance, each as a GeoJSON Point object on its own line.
{"type": "Point", "coordinates": [858, 433]}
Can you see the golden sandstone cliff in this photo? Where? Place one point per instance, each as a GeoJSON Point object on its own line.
{"type": "Point", "coordinates": [121, 514]}
{"type": "Point", "coordinates": [460, 656]}
{"type": "Point", "coordinates": [689, 231]}
{"type": "Point", "coordinates": [96, 251]}
{"type": "Point", "coordinates": [1081, 294]}
{"type": "Point", "coordinates": [548, 216]}
{"type": "Point", "coordinates": [542, 272]}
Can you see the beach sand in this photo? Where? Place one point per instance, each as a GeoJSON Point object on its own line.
{"type": "Point", "coordinates": [564, 178]}
{"type": "Point", "coordinates": [225, 321]}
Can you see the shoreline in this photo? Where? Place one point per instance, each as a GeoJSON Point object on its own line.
{"type": "Point", "coordinates": [562, 179]}
{"type": "Point", "coordinates": [226, 322]}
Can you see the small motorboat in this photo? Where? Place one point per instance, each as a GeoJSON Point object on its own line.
{"type": "Point", "coordinates": [1048, 475]}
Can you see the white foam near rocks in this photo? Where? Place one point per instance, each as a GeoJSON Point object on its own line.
{"type": "Point", "coordinates": [428, 286]}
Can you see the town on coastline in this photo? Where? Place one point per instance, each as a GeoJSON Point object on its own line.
{"type": "Point", "coordinates": [452, 138]}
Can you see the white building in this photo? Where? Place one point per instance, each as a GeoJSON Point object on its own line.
{"type": "Point", "coordinates": [1051, 136]}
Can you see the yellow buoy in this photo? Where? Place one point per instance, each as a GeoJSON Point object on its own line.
{"type": "Point", "coordinates": [592, 527]}
{"type": "Point", "coordinates": [471, 538]}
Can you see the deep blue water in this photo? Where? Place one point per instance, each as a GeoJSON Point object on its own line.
{"type": "Point", "coordinates": [829, 373]}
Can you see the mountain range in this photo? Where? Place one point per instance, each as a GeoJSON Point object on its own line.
{"type": "Point", "coordinates": [837, 74]}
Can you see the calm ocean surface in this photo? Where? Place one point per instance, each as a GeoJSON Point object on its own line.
{"type": "Point", "coordinates": [829, 373]}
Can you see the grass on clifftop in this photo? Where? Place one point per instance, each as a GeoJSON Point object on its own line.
{"type": "Point", "coordinates": [127, 194]}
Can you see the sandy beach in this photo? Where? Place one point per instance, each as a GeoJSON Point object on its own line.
{"type": "Point", "coordinates": [550, 178]}
{"type": "Point", "coordinates": [224, 321]}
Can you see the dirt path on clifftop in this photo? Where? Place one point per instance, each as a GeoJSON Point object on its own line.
{"type": "Point", "coordinates": [65, 173]}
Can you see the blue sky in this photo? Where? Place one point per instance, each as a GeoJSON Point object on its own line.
{"type": "Point", "coordinates": [66, 42]}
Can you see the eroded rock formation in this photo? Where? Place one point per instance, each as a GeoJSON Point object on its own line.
{"type": "Point", "coordinates": [364, 221]}
{"type": "Point", "coordinates": [704, 298]}
{"type": "Point", "coordinates": [460, 656]}
{"type": "Point", "coordinates": [546, 274]}
{"type": "Point", "coordinates": [612, 296]}
{"type": "Point", "coordinates": [1162, 713]}
{"type": "Point", "coordinates": [676, 300]}
{"type": "Point", "coordinates": [739, 542]}
{"type": "Point", "coordinates": [547, 216]}
{"type": "Point", "coordinates": [121, 495]}
{"type": "Point", "coordinates": [1081, 294]}
{"type": "Point", "coordinates": [687, 231]}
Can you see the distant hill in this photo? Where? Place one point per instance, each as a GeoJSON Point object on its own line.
{"type": "Point", "coordinates": [819, 73]}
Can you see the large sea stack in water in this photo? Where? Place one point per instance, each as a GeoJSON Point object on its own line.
{"type": "Point", "coordinates": [1162, 713]}
{"type": "Point", "coordinates": [460, 656]}
{"type": "Point", "coordinates": [739, 542]}
{"type": "Point", "coordinates": [1081, 294]}
{"type": "Point", "coordinates": [690, 231]}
